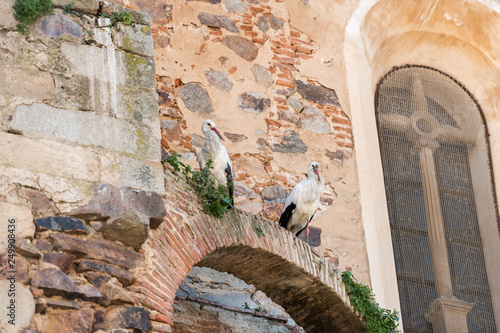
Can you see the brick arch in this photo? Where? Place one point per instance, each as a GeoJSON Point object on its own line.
{"type": "Point", "coordinates": [253, 249]}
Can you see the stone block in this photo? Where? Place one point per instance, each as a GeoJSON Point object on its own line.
{"type": "Point", "coordinates": [273, 194]}
{"type": "Point", "coordinates": [47, 156]}
{"type": "Point", "coordinates": [58, 25]}
{"type": "Point", "coordinates": [217, 21]}
{"type": "Point", "coordinates": [114, 294]}
{"type": "Point", "coordinates": [22, 223]}
{"type": "Point", "coordinates": [143, 175]}
{"type": "Point", "coordinates": [262, 75]}
{"type": "Point", "coordinates": [137, 105]}
{"type": "Point", "coordinates": [7, 20]}
{"type": "Point", "coordinates": [317, 94]}
{"type": "Point", "coordinates": [54, 282]}
{"type": "Point", "coordinates": [312, 119]}
{"type": "Point", "coordinates": [98, 249]}
{"type": "Point", "coordinates": [88, 128]}
{"type": "Point", "coordinates": [85, 6]}
{"type": "Point", "coordinates": [60, 259]}
{"type": "Point", "coordinates": [25, 248]}
{"type": "Point", "coordinates": [253, 102]}
{"type": "Point", "coordinates": [25, 83]}
{"type": "Point", "coordinates": [235, 6]}
{"type": "Point", "coordinates": [220, 80]}
{"type": "Point", "coordinates": [110, 200]}
{"type": "Point", "coordinates": [137, 17]}
{"type": "Point", "coordinates": [135, 38]}
{"type": "Point", "coordinates": [125, 277]}
{"type": "Point", "coordinates": [67, 224]}
{"type": "Point", "coordinates": [242, 47]}
{"type": "Point", "coordinates": [290, 143]}
{"type": "Point", "coordinates": [131, 228]}
{"type": "Point", "coordinates": [67, 321]}
{"type": "Point", "coordinates": [196, 98]}
{"type": "Point", "coordinates": [135, 71]}
{"type": "Point", "coordinates": [24, 307]}
{"type": "Point", "coordinates": [134, 317]}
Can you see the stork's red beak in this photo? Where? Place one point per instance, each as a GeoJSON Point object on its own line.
{"type": "Point", "coordinates": [216, 131]}
{"type": "Point", "coordinates": [317, 173]}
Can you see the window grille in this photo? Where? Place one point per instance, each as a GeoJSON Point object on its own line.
{"type": "Point", "coordinates": [419, 107]}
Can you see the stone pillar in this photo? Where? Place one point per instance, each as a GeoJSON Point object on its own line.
{"type": "Point", "coordinates": [447, 313]}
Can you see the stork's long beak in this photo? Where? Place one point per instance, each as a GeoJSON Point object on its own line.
{"type": "Point", "coordinates": [317, 173]}
{"type": "Point", "coordinates": [216, 131]}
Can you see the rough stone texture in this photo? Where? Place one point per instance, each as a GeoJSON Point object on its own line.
{"type": "Point", "coordinates": [60, 303]}
{"type": "Point", "coordinates": [337, 156]}
{"type": "Point", "coordinates": [217, 21]}
{"type": "Point", "coordinates": [24, 306]}
{"type": "Point", "coordinates": [23, 222]}
{"type": "Point", "coordinates": [220, 80]}
{"type": "Point", "coordinates": [25, 248]}
{"type": "Point", "coordinates": [242, 47]}
{"type": "Point", "coordinates": [40, 203]}
{"type": "Point", "coordinates": [273, 211]}
{"type": "Point", "coordinates": [196, 98]}
{"type": "Point", "coordinates": [43, 245]}
{"type": "Point", "coordinates": [243, 192]}
{"type": "Point", "coordinates": [267, 22]}
{"type": "Point", "coordinates": [172, 129]}
{"type": "Point", "coordinates": [58, 25]}
{"type": "Point", "coordinates": [290, 143]}
{"type": "Point", "coordinates": [110, 200]}
{"type": "Point", "coordinates": [262, 75]}
{"type": "Point", "coordinates": [70, 225]}
{"type": "Point", "coordinates": [87, 128]}
{"type": "Point", "coordinates": [135, 71]}
{"type": "Point", "coordinates": [86, 6]}
{"type": "Point", "coordinates": [137, 17]}
{"type": "Point", "coordinates": [60, 259]}
{"type": "Point", "coordinates": [250, 164]}
{"type": "Point", "coordinates": [140, 174]}
{"type": "Point", "coordinates": [133, 317]}
{"type": "Point", "coordinates": [250, 206]}
{"type": "Point", "coordinates": [125, 277]}
{"type": "Point", "coordinates": [112, 292]}
{"type": "Point", "coordinates": [131, 38]}
{"type": "Point", "coordinates": [98, 249]}
{"type": "Point", "coordinates": [314, 236]}
{"type": "Point", "coordinates": [233, 137]}
{"type": "Point", "coordinates": [235, 6]}
{"type": "Point", "coordinates": [289, 116]}
{"type": "Point", "coordinates": [7, 20]}
{"type": "Point", "coordinates": [274, 194]}
{"type": "Point", "coordinates": [54, 282]}
{"type": "Point", "coordinates": [312, 119]}
{"type": "Point", "coordinates": [131, 228]}
{"type": "Point", "coordinates": [253, 102]}
{"type": "Point", "coordinates": [295, 103]}
{"type": "Point", "coordinates": [68, 321]}
{"type": "Point", "coordinates": [317, 94]}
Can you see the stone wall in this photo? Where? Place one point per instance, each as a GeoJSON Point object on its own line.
{"type": "Point", "coordinates": [78, 107]}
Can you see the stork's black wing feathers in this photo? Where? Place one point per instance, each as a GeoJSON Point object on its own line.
{"type": "Point", "coordinates": [230, 186]}
{"type": "Point", "coordinates": [287, 214]}
{"type": "Point", "coordinates": [298, 233]}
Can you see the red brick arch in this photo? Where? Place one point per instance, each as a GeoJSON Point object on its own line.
{"type": "Point", "coordinates": [253, 249]}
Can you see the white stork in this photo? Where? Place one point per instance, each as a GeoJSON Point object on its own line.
{"type": "Point", "coordinates": [214, 150]}
{"type": "Point", "coordinates": [303, 202]}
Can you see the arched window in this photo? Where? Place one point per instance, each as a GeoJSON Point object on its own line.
{"type": "Point", "coordinates": [438, 184]}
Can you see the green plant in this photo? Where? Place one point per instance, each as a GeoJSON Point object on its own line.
{"type": "Point", "coordinates": [27, 12]}
{"type": "Point", "coordinates": [214, 196]}
{"type": "Point", "coordinates": [375, 318]}
{"type": "Point", "coordinates": [259, 231]}
{"type": "Point", "coordinates": [124, 16]}
{"type": "Point", "coordinates": [68, 9]}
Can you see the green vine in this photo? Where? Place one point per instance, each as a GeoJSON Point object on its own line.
{"type": "Point", "coordinates": [375, 318]}
{"type": "Point", "coordinates": [214, 196]}
{"type": "Point", "coordinates": [27, 12]}
{"type": "Point", "coordinates": [124, 16]}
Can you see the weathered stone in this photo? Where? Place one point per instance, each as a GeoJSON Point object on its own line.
{"type": "Point", "coordinates": [274, 194]}
{"type": "Point", "coordinates": [312, 119]}
{"type": "Point", "coordinates": [289, 116]}
{"type": "Point", "coordinates": [113, 293]}
{"type": "Point", "coordinates": [233, 137]}
{"type": "Point", "coordinates": [217, 21]}
{"type": "Point", "coordinates": [96, 225]}
{"type": "Point", "coordinates": [70, 225]}
{"type": "Point", "coordinates": [262, 75]}
{"type": "Point", "coordinates": [241, 190]}
{"type": "Point", "coordinates": [172, 129]}
{"type": "Point", "coordinates": [273, 211]}
{"type": "Point", "coordinates": [261, 144]}
{"type": "Point", "coordinates": [253, 102]}
{"type": "Point", "coordinates": [196, 98]}
{"type": "Point", "coordinates": [24, 248]}
{"type": "Point", "coordinates": [235, 6]}
{"type": "Point", "coordinates": [110, 200]}
{"type": "Point", "coordinates": [197, 140]}
{"type": "Point", "coordinates": [135, 71]}
{"type": "Point", "coordinates": [267, 22]}
{"type": "Point", "coordinates": [54, 282]}
{"type": "Point", "coordinates": [137, 105]}
{"type": "Point", "coordinates": [24, 306]}
{"type": "Point", "coordinates": [86, 6]}
{"type": "Point", "coordinates": [290, 143]}
{"type": "Point", "coordinates": [317, 94]}
{"type": "Point", "coordinates": [133, 317]}
{"type": "Point", "coordinates": [249, 206]}
{"type": "Point", "coordinates": [337, 156]}
{"type": "Point", "coordinates": [39, 201]}
{"type": "Point", "coordinates": [98, 249]}
{"type": "Point", "coordinates": [99, 317]}
{"type": "Point", "coordinates": [295, 103]}
{"type": "Point", "coordinates": [109, 8]}
{"type": "Point", "coordinates": [252, 165]}
{"type": "Point", "coordinates": [60, 303]}
{"type": "Point", "coordinates": [7, 20]}
{"type": "Point", "coordinates": [131, 228]}
{"type": "Point", "coordinates": [67, 321]}
{"type": "Point", "coordinates": [142, 175]}
{"type": "Point", "coordinates": [58, 25]}
{"type": "Point", "coordinates": [135, 38]}
{"type": "Point", "coordinates": [43, 245]}
{"type": "Point", "coordinates": [89, 292]}
{"type": "Point", "coordinates": [314, 236]}
{"type": "Point", "coordinates": [60, 259]}
{"type": "Point", "coordinates": [87, 128]}
{"type": "Point", "coordinates": [219, 80]}
{"type": "Point", "coordinates": [125, 277]}
{"type": "Point", "coordinates": [14, 217]}
{"type": "Point", "coordinates": [242, 47]}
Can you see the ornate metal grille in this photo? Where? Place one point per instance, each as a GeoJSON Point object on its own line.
{"type": "Point", "coordinates": [420, 108]}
